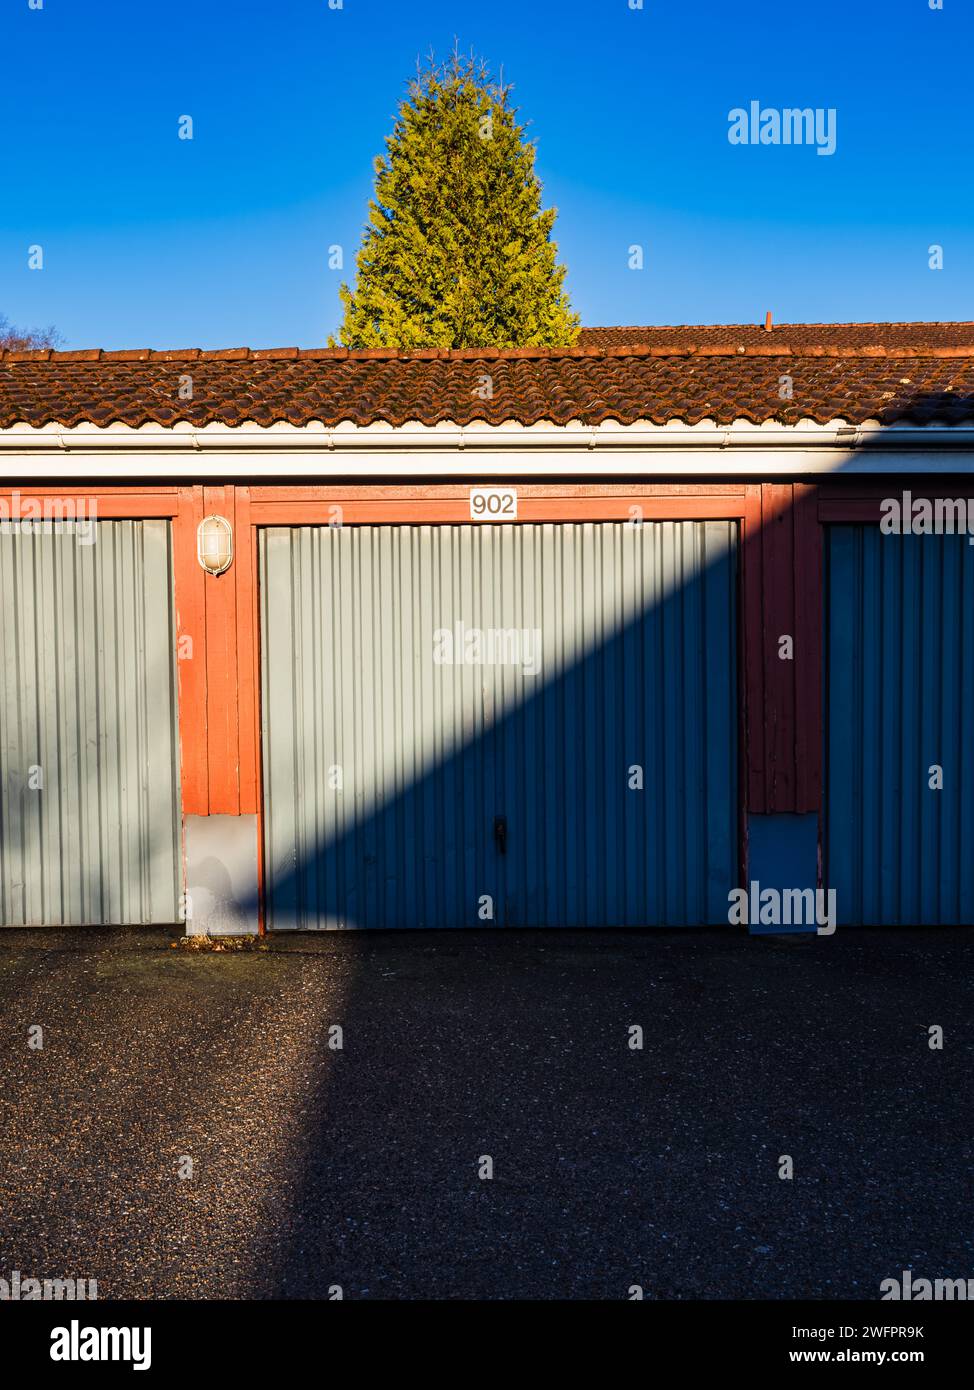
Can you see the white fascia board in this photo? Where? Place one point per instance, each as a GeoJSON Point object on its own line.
{"type": "Point", "coordinates": [122, 468]}
{"type": "Point", "coordinates": [120, 453]}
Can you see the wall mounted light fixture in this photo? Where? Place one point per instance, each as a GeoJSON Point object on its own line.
{"type": "Point", "coordinates": [214, 544]}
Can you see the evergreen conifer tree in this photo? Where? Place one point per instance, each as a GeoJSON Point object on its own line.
{"type": "Point", "coordinates": [457, 251]}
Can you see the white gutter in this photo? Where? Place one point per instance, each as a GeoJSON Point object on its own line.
{"type": "Point", "coordinates": [241, 439]}
{"type": "Point", "coordinates": [501, 451]}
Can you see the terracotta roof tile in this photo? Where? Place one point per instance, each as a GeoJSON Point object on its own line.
{"type": "Point", "coordinates": [888, 372]}
{"type": "Point", "coordinates": [848, 335]}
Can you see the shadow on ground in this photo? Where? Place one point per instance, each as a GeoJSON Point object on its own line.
{"type": "Point", "coordinates": [612, 1167]}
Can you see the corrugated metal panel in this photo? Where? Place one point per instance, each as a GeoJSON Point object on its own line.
{"type": "Point", "coordinates": [638, 666]}
{"type": "Point", "coordinates": [900, 690]}
{"type": "Point", "coordinates": [88, 696]}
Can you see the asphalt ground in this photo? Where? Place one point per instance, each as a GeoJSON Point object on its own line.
{"type": "Point", "coordinates": [359, 1167]}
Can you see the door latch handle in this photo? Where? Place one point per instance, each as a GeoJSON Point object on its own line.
{"type": "Point", "coordinates": [500, 833]}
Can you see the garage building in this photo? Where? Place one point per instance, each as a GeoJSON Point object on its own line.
{"type": "Point", "coordinates": [587, 637]}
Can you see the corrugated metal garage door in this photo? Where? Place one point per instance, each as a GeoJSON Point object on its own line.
{"type": "Point", "coordinates": [900, 693]}
{"type": "Point", "coordinates": [401, 790]}
{"type": "Point", "coordinates": [89, 812]}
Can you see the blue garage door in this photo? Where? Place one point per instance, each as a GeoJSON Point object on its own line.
{"type": "Point", "coordinates": [530, 725]}
{"type": "Point", "coordinates": [900, 697]}
{"type": "Point", "coordinates": [89, 739]}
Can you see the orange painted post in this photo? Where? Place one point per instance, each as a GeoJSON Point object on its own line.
{"type": "Point", "coordinates": [809, 622]}
{"type": "Point", "coordinates": [783, 600]}
{"type": "Point", "coordinates": [222, 717]}
{"type": "Point", "coordinates": [245, 577]}
{"type": "Point", "coordinates": [752, 618]}
{"type": "Point", "coordinates": [778, 546]}
{"type": "Point", "coordinates": [191, 653]}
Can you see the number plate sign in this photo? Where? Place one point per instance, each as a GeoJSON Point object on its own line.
{"type": "Point", "coordinates": [493, 504]}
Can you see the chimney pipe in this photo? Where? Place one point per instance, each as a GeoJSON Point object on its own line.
{"type": "Point", "coordinates": [767, 322]}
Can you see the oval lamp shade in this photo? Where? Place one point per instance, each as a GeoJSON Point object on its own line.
{"type": "Point", "coordinates": [214, 544]}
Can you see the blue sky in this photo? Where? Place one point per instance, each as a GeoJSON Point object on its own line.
{"type": "Point", "coordinates": [152, 241]}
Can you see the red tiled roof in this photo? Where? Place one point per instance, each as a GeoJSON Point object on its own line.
{"type": "Point", "coordinates": [890, 373]}
{"type": "Point", "coordinates": [851, 335]}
